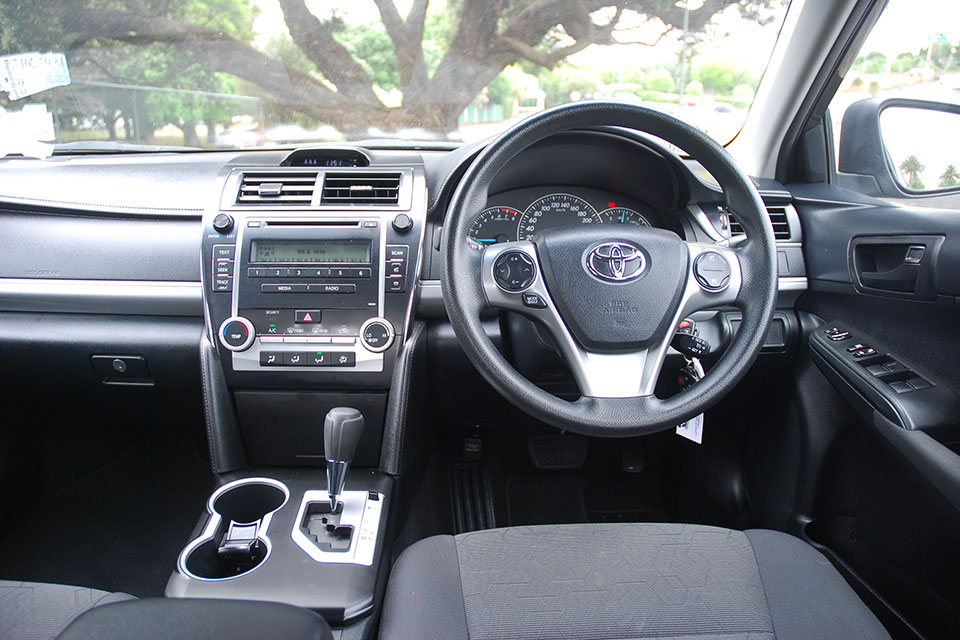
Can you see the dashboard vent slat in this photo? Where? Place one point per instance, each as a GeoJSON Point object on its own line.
{"type": "Point", "coordinates": [277, 188]}
{"type": "Point", "coordinates": [361, 188]}
{"type": "Point", "coordinates": [778, 218]}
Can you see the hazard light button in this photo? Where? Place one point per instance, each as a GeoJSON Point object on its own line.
{"type": "Point", "coordinates": [305, 317]}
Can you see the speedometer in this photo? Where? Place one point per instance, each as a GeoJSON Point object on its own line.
{"type": "Point", "coordinates": [554, 211]}
{"type": "Point", "coordinates": [622, 215]}
{"type": "Point", "coordinates": [495, 224]}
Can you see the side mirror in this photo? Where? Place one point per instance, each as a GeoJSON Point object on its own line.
{"type": "Point", "coordinates": [900, 147]}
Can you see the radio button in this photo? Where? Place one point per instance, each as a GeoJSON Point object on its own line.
{"type": "Point", "coordinates": [299, 273]}
{"type": "Point", "coordinates": [223, 251]}
{"type": "Point", "coordinates": [223, 283]}
{"type": "Point", "coordinates": [283, 288]}
{"type": "Point", "coordinates": [339, 272]}
{"type": "Point", "coordinates": [397, 251]}
{"type": "Point", "coordinates": [223, 267]}
{"type": "Point", "coordinates": [257, 272]}
{"type": "Point", "coordinates": [397, 268]}
{"type": "Point", "coordinates": [396, 284]}
{"type": "Point", "coordinates": [331, 288]}
{"type": "Point", "coordinates": [360, 273]}
{"type": "Point", "coordinates": [274, 272]}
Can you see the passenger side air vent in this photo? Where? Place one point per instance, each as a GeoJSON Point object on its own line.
{"type": "Point", "coordinates": [778, 218]}
{"type": "Point", "coordinates": [277, 188]}
{"type": "Point", "coordinates": [361, 188]}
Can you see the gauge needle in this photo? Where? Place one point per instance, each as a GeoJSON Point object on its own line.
{"type": "Point", "coordinates": [622, 215]}
{"type": "Point", "coordinates": [491, 240]}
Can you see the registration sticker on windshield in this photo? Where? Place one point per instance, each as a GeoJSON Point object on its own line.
{"type": "Point", "coordinates": [26, 74]}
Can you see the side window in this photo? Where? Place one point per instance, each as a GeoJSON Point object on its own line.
{"type": "Point", "coordinates": [900, 104]}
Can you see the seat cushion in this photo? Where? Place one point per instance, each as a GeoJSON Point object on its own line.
{"type": "Point", "coordinates": [605, 581]}
{"type": "Point", "coordinates": [38, 611]}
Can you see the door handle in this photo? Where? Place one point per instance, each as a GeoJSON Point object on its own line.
{"type": "Point", "coordinates": [901, 278]}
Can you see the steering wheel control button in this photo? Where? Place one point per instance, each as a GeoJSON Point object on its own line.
{"type": "Point", "coordinates": [236, 333]}
{"type": "Point", "coordinates": [376, 334]}
{"type": "Point", "coordinates": [712, 271]}
{"type": "Point", "coordinates": [514, 271]}
{"type": "Point", "coordinates": [306, 317]}
{"type": "Point", "coordinates": [533, 301]}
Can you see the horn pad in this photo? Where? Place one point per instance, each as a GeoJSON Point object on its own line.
{"type": "Point", "coordinates": [616, 288]}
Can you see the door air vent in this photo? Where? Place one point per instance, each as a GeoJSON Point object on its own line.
{"type": "Point", "coordinates": [778, 218]}
{"type": "Point", "coordinates": [277, 188]}
{"type": "Point", "coordinates": [361, 188]}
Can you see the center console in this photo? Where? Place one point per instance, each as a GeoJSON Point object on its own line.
{"type": "Point", "coordinates": [309, 269]}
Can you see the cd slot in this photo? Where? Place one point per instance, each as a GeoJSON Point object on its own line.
{"type": "Point", "coordinates": [350, 224]}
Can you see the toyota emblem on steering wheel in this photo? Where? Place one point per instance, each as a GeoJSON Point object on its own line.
{"type": "Point", "coordinates": [616, 261]}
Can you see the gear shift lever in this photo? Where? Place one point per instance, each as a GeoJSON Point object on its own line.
{"type": "Point", "coordinates": [341, 433]}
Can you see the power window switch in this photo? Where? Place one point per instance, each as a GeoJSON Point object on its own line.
{"type": "Point", "coordinates": [837, 337]}
{"type": "Point", "coordinates": [877, 370]}
{"type": "Point", "coordinates": [901, 386]}
{"type": "Point", "coordinates": [894, 367]}
{"type": "Point", "coordinates": [919, 383]}
{"type": "Point", "coordinates": [863, 353]}
{"type": "Point", "coordinates": [856, 347]}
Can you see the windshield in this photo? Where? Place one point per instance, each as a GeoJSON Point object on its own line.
{"type": "Point", "coordinates": [90, 74]}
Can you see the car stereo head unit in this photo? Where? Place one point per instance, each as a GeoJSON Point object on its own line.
{"type": "Point", "coordinates": [310, 294]}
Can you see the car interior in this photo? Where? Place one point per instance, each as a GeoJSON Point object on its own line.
{"type": "Point", "coordinates": [596, 376]}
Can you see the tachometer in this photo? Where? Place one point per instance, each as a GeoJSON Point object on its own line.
{"type": "Point", "coordinates": [495, 224]}
{"type": "Point", "coordinates": [622, 215]}
{"type": "Point", "coordinates": [553, 211]}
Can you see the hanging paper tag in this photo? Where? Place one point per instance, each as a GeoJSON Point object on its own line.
{"type": "Point", "coordinates": [692, 429]}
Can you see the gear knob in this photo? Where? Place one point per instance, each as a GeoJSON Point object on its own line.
{"type": "Point", "coordinates": [341, 433]}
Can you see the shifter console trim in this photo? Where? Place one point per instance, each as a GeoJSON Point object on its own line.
{"type": "Point", "coordinates": [360, 511]}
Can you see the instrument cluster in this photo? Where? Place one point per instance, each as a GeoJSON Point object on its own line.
{"type": "Point", "coordinates": [520, 214]}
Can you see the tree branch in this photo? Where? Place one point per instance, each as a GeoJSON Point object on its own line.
{"type": "Point", "coordinates": [407, 38]}
{"type": "Point", "coordinates": [227, 55]}
{"type": "Point", "coordinates": [315, 39]}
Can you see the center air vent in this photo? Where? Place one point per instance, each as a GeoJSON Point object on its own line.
{"type": "Point", "coordinates": [361, 188]}
{"type": "Point", "coordinates": [277, 188]}
{"type": "Point", "coordinates": [778, 218]}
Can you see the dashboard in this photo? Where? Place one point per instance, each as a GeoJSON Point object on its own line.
{"type": "Point", "coordinates": [519, 214]}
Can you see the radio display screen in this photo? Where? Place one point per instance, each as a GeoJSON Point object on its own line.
{"type": "Point", "coordinates": [311, 251]}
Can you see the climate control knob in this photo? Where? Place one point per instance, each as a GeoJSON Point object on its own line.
{"type": "Point", "coordinates": [376, 334]}
{"type": "Point", "coordinates": [237, 333]}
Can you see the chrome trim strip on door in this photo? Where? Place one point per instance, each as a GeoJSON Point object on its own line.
{"type": "Point", "coordinates": [122, 297]}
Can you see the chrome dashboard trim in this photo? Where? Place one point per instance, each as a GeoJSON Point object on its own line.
{"type": "Point", "coordinates": [120, 297]}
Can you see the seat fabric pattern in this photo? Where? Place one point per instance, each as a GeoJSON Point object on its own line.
{"type": "Point", "coordinates": [621, 581]}
{"type": "Point", "coordinates": [38, 611]}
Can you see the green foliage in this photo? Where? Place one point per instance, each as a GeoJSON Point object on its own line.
{"type": "Point", "coordinates": [564, 82]}
{"type": "Point", "coordinates": [875, 62]}
{"type": "Point", "coordinates": [911, 168]}
{"type": "Point", "coordinates": [905, 62]}
{"type": "Point", "coordinates": [950, 177]}
{"type": "Point", "coordinates": [694, 88]}
{"type": "Point", "coordinates": [660, 80]}
{"type": "Point", "coordinates": [721, 79]}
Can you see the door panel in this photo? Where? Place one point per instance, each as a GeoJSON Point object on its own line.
{"type": "Point", "coordinates": [888, 506]}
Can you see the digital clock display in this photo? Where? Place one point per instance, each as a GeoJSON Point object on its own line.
{"type": "Point", "coordinates": [313, 252]}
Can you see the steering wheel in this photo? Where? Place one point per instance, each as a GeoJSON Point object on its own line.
{"type": "Point", "coordinates": [611, 298]}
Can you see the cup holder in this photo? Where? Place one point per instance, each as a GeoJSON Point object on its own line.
{"type": "Point", "coordinates": [234, 540]}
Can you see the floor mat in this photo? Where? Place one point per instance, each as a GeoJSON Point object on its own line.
{"type": "Point", "coordinates": [119, 529]}
{"type": "Point", "coordinates": [545, 500]}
